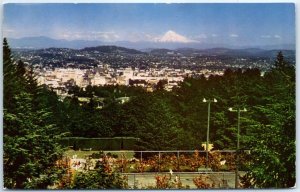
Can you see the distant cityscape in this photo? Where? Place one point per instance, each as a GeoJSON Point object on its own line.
{"type": "Point", "coordinates": [60, 68]}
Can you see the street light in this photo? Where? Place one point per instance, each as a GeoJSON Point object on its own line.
{"type": "Point", "coordinates": [238, 143]}
{"type": "Point", "coordinates": [207, 134]}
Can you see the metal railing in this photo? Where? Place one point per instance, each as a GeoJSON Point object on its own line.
{"type": "Point", "coordinates": [218, 180]}
{"type": "Point", "coordinates": [164, 161]}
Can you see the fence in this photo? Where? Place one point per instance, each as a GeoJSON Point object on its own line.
{"type": "Point", "coordinates": [218, 180]}
{"type": "Point", "coordinates": [164, 161]}
{"type": "Point", "coordinates": [141, 168]}
{"type": "Point", "coordinates": [180, 161]}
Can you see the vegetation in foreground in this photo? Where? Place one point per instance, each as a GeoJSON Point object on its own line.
{"type": "Point", "coordinates": [34, 120]}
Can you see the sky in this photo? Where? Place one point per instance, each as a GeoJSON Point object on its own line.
{"type": "Point", "coordinates": [228, 23]}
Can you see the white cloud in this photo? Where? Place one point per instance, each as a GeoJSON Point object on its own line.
{"type": "Point", "coordinates": [200, 36]}
{"type": "Point", "coordinates": [169, 37]}
{"type": "Point", "coordinates": [136, 37]}
{"type": "Point", "coordinates": [214, 35]}
{"type": "Point", "coordinates": [271, 36]}
{"type": "Point", "coordinates": [277, 36]}
{"type": "Point", "coordinates": [93, 35]}
{"type": "Point", "coordinates": [148, 36]}
{"type": "Point", "coordinates": [9, 32]}
{"type": "Point", "coordinates": [234, 35]}
{"type": "Point", "coordinates": [110, 36]}
{"type": "Point", "coordinates": [265, 36]}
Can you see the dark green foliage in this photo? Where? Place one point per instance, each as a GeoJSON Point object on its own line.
{"type": "Point", "coordinates": [98, 179]}
{"type": "Point", "coordinates": [20, 68]}
{"type": "Point", "coordinates": [280, 63]}
{"type": "Point", "coordinates": [30, 147]}
{"type": "Point", "coordinates": [30, 139]}
{"type": "Point", "coordinates": [272, 140]}
{"type": "Point", "coordinates": [151, 119]}
{"type": "Point", "coordinates": [12, 84]}
{"type": "Point", "coordinates": [112, 49]}
{"type": "Point", "coordinates": [161, 84]}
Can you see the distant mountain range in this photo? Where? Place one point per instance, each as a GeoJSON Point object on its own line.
{"type": "Point", "coordinates": [46, 42]}
{"type": "Point", "coordinates": [165, 43]}
{"type": "Point", "coordinates": [221, 52]}
{"type": "Point", "coordinates": [252, 52]}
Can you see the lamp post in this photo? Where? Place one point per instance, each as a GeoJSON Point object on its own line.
{"type": "Point", "coordinates": [238, 144]}
{"type": "Point", "coordinates": [208, 118]}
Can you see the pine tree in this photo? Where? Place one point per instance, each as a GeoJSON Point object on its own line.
{"type": "Point", "coordinates": [11, 84]}
{"type": "Point", "coordinates": [21, 68]}
{"type": "Point", "coordinates": [272, 138]}
{"type": "Point", "coordinates": [30, 142]}
{"type": "Point", "coordinates": [280, 62]}
{"type": "Point", "coordinates": [30, 146]}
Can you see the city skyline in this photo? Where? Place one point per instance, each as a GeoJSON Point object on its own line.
{"type": "Point", "coordinates": [229, 24]}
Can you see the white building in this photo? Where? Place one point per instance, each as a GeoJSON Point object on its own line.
{"type": "Point", "coordinates": [98, 80]}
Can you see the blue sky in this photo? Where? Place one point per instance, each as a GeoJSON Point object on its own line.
{"type": "Point", "coordinates": [234, 24]}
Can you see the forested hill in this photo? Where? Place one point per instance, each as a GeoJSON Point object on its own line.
{"type": "Point", "coordinates": [112, 49]}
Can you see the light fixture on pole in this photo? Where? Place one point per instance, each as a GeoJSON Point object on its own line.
{"type": "Point", "coordinates": [238, 143]}
{"type": "Point", "coordinates": [208, 118]}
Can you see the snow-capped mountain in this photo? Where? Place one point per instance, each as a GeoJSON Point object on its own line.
{"type": "Point", "coordinates": [173, 37]}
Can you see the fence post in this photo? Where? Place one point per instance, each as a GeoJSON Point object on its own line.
{"type": "Point", "coordinates": [159, 161]}
{"type": "Point", "coordinates": [178, 166]}
{"type": "Point", "coordinates": [122, 163]}
{"type": "Point", "coordinates": [134, 181]}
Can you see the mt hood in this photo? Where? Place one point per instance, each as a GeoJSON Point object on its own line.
{"type": "Point", "coordinates": [173, 37]}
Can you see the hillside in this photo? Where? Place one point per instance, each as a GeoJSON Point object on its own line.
{"type": "Point", "coordinates": [112, 49]}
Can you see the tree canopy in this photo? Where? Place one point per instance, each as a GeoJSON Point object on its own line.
{"type": "Point", "coordinates": [30, 138]}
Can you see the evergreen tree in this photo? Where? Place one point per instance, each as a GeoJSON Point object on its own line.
{"type": "Point", "coordinates": [30, 143]}
{"type": "Point", "coordinates": [11, 82]}
{"type": "Point", "coordinates": [272, 138]}
{"type": "Point", "coordinates": [280, 62]}
{"type": "Point", "coordinates": [21, 68]}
